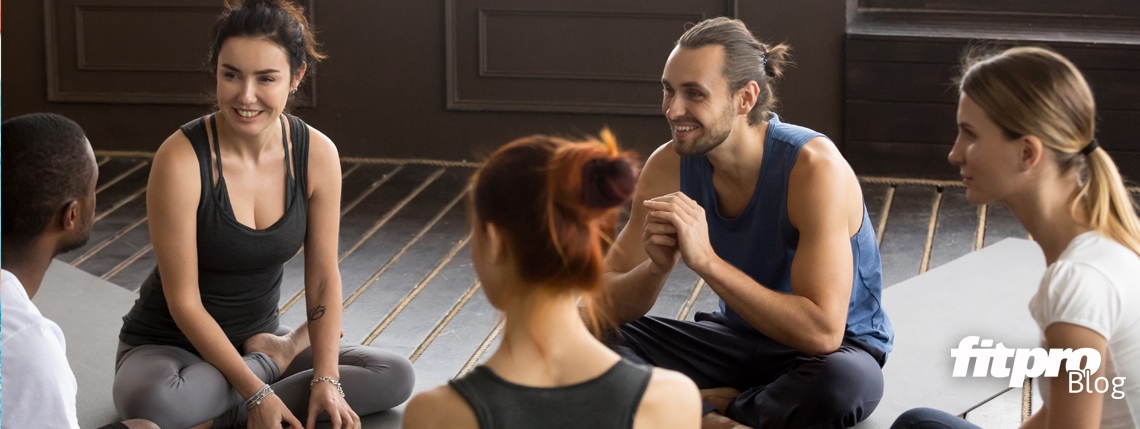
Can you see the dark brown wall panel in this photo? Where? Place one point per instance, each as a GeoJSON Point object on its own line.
{"type": "Point", "coordinates": [154, 35]}
{"type": "Point", "coordinates": [1088, 7]}
{"type": "Point", "coordinates": [129, 51]}
{"type": "Point", "coordinates": [900, 159]}
{"type": "Point", "coordinates": [901, 99]}
{"type": "Point", "coordinates": [901, 122]}
{"type": "Point", "coordinates": [575, 56]}
{"type": "Point", "coordinates": [901, 82]}
{"type": "Point", "coordinates": [383, 89]}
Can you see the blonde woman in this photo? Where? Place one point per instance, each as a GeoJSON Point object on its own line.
{"type": "Point", "coordinates": [1026, 139]}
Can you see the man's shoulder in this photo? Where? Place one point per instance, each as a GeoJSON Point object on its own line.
{"type": "Point", "coordinates": [22, 320]}
{"type": "Point", "coordinates": [661, 173]}
{"type": "Point", "coordinates": [792, 133]}
{"type": "Point", "coordinates": [18, 310]}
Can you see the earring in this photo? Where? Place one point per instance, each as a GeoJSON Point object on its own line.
{"type": "Point", "coordinates": [294, 91]}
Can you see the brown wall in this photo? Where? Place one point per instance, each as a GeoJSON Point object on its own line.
{"type": "Point", "coordinates": [127, 69]}
{"type": "Point", "coordinates": [901, 63]}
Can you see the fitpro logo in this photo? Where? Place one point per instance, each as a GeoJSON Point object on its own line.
{"type": "Point", "coordinates": [1033, 363]}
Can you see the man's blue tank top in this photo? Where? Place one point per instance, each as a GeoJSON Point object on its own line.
{"type": "Point", "coordinates": [761, 241]}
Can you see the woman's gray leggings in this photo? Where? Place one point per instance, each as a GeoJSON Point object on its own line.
{"type": "Point", "coordinates": [177, 389]}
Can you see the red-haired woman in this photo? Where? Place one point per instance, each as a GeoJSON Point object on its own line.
{"type": "Point", "coordinates": [232, 197]}
{"type": "Point", "coordinates": [542, 213]}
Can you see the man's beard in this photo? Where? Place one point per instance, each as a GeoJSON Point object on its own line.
{"type": "Point", "coordinates": [714, 134]}
{"type": "Point", "coordinates": [75, 245]}
{"type": "Point", "coordinates": [86, 228]}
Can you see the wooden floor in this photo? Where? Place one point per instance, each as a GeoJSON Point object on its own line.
{"type": "Point", "coordinates": [406, 270]}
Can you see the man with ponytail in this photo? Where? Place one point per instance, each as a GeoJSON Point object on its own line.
{"type": "Point", "coordinates": [542, 212]}
{"type": "Point", "coordinates": [771, 216]}
{"type": "Point", "coordinates": [1027, 140]}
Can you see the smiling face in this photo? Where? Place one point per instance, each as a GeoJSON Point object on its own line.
{"type": "Point", "coordinates": [989, 162]}
{"type": "Point", "coordinates": [254, 83]}
{"type": "Point", "coordinates": [696, 99]}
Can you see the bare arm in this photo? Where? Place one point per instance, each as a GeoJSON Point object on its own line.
{"type": "Point", "coordinates": [322, 280]}
{"type": "Point", "coordinates": [439, 408]}
{"type": "Point", "coordinates": [1071, 410]}
{"type": "Point", "coordinates": [670, 401]}
{"type": "Point", "coordinates": [635, 278]}
{"type": "Point", "coordinates": [813, 317]}
{"type": "Point", "coordinates": [172, 196]}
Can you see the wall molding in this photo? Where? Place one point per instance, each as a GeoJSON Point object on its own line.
{"type": "Point", "coordinates": [80, 39]}
{"type": "Point", "coordinates": [456, 101]}
{"type": "Point", "coordinates": [485, 71]}
{"type": "Point", "coordinates": [55, 71]}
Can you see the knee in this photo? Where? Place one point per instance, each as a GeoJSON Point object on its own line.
{"type": "Point", "coordinates": [923, 418]}
{"type": "Point", "coordinates": [396, 372]}
{"type": "Point", "coordinates": [402, 376]}
{"type": "Point", "coordinates": [151, 401]}
{"type": "Point", "coordinates": [848, 385]}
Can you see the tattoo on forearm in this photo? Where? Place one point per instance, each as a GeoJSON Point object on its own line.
{"type": "Point", "coordinates": [316, 312]}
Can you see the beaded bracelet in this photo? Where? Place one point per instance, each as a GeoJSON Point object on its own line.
{"type": "Point", "coordinates": [256, 399]}
{"type": "Point", "coordinates": [330, 380]}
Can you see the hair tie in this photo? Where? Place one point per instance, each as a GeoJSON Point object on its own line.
{"type": "Point", "coordinates": [1090, 147]}
{"type": "Point", "coordinates": [764, 62]}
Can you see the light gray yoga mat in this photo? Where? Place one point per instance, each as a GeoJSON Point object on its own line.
{"type": "Point", "coordinates": [90, 311]}
{"type": "Point", "coordinates": [985, 293]}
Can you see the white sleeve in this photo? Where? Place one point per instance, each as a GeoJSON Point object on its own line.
{"type": "Point", "coordinates": [1080, 295]}
{"type": "Point", "coordinates": [38, 386]}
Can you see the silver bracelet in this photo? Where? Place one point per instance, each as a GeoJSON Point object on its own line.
{"type": "Point", "coordinates": [330, 380]}
{"type": "Point", "coordinates": [256, 399]}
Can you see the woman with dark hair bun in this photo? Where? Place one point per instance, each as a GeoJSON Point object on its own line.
{"type": "Point", "coordinates": [543, 212]}
{"type": "Point", "coordinates": [233, 196]}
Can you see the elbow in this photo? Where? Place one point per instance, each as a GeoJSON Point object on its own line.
{"type": "Point", "coordinates": [181, 310]}
{"type": "Point", "coordinates": [822, 343]}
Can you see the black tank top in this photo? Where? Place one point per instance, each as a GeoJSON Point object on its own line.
{"type": "Point", "coordinates": [608, 401]}
{"type": "Point", "coordinates": [239, 268]}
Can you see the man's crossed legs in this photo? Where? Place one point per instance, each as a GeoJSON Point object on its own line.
{"type": "Point", "coordinates": [781, 387]}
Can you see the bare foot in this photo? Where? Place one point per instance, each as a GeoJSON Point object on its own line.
{"type": "Point", "coordinates": [718, 421]}
{"type": "Point", "coordinates": [719, 397]}
{"type": "Point", "coordinates": [206, 425]}
{"type": "Point", "coordinates": [147, 424]}
{"type": "Point", "coordinates": [281, 349]}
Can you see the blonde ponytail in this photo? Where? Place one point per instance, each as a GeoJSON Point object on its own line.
{"type": "Point", "coordinates": [1104, 201]}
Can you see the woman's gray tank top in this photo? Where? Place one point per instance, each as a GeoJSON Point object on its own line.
{"type": "Point", "coordinates": [239, 268]}
{"type": "Point", "coordinates": [607, 401]}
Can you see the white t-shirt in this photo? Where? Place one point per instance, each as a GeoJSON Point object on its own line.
{"type": "Point", "coordinates": [38, 385]}
{"type": "Point", "coordinates": [1095, 283]}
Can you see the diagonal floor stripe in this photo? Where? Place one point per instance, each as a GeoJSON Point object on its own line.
{"type": "Point", "coordinates": [123, 265]}
{"type": "Point", "coordinates": [415, 292]}
{"type": "Point", "coordinates": [681, 315]}
{"type": "Point", "coordinates": [474, 360]}
{"type": "Point", "coordinates": [446, 320]}
{"type": "Point", "coordinates": [108, 241]}
{"type": "Point", "coordinates": [119, 204]}
{"type": "Point", "coordinates": [376, 276]}
{"type": "Point", "coordinates": [120, 177]}
{"type": "Point", "coordinates": [980, 234]}
{"type": "Point", "coordinates": [930, 233]}
{"type": "Point", "coordinates": [886, 212]}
